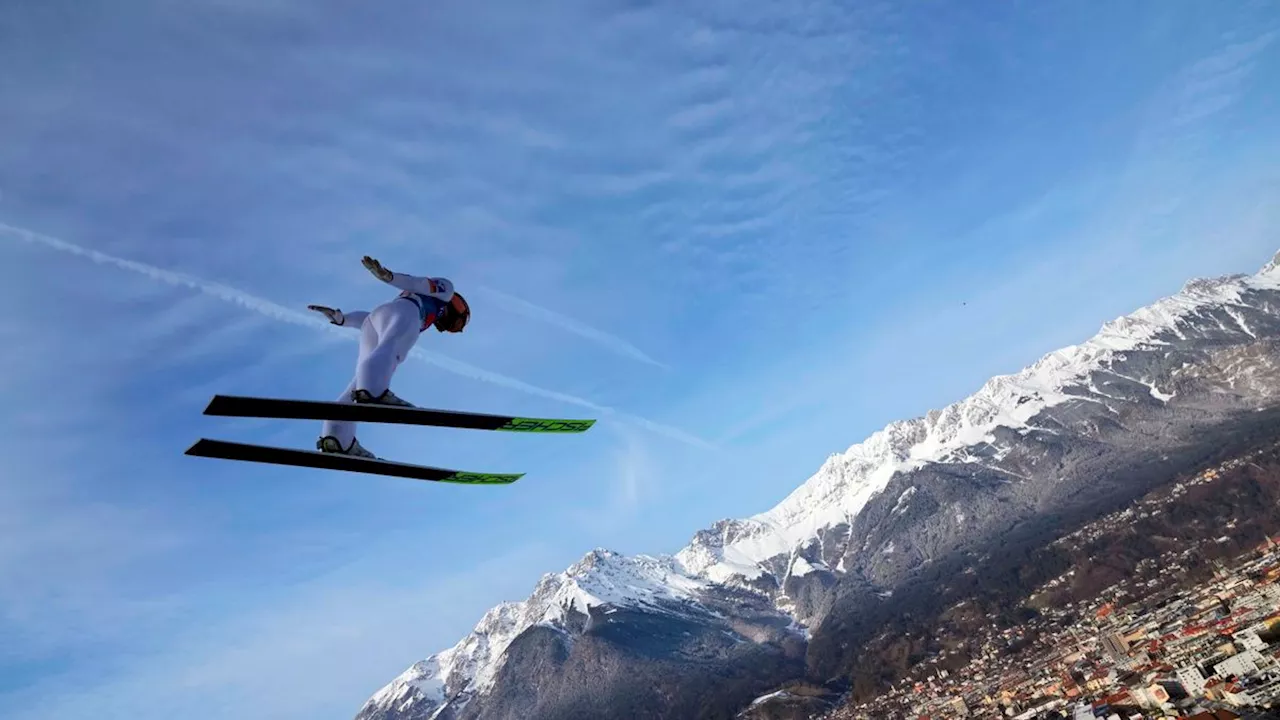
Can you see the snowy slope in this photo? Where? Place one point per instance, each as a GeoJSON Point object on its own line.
{"type": "Point", "coordinates": [846, 482]}
{"type": "Point", "coordinates": [733, 553]}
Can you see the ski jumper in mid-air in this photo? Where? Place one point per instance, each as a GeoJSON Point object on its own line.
{"type": "Point", "coordinates": [387, 334]}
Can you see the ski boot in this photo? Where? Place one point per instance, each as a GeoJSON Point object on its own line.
{"type": "Point", "coordinates": [364, 397]}
{"type": "Point", "coordinates": [330, 444]}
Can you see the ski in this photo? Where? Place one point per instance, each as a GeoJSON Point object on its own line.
{"type": "Point", "coordinates": [224, 450]}
{"type": "Point", "coordinates": [259, 407]}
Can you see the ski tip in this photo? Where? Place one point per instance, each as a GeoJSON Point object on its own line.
{"type": "Point", "coordinates": [546, 425]}
{"type": "Point", "coordinates": [474, 478]}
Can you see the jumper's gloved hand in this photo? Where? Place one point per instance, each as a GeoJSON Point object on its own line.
{"type": "Point", "coordinates": [376, 268]}
{"type": "Point", "coordinates": [335, 315]}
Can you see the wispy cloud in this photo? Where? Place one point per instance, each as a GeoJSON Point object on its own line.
{"type": "Point", "coordinates": [633, 471]}
{"type": "Point", "coordinates": [281, 313]}
{"type": "Point", "coordinates": [1215, 82]}
{"type": "Point", "coordinates": [63, 556]}
{"type": "Point", "coordinates": [342, 635]}
{"type": "Point", "coordinates": [568, 324]}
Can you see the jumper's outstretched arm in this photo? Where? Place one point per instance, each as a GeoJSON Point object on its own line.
{"type": "Point", "coordinates": [440, 288]}
{"type": "Point", "coordinates": [349, 319]}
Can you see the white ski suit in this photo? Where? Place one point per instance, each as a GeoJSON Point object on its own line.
{"type": "Point", "coordinates": [387, 334]}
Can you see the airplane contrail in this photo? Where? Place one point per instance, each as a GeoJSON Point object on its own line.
{"type": "Point", "coordinates": [564, 322]}
{"type": "Point", "coordinates": [281, 313]}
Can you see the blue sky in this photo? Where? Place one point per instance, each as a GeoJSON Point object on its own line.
{"type": "Point", "coordinates": [743, 236]}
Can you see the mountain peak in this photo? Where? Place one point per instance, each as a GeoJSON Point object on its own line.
{"type": "Point", "coordinates": [1212, 286]}
{"type": "Point", "coordinates": [1271, 267]}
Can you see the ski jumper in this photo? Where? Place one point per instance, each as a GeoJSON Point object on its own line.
{"type": "Point", "coordinates": [387, 334]}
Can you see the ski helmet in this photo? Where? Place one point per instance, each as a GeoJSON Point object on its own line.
{"type": "Point", "coordinates": [455, 316]}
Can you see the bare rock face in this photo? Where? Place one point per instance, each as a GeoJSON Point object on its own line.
{"type": "Point", "coordinates": [751, 603]}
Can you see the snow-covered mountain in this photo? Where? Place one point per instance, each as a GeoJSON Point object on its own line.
{"type": "Point", "coordinates": [561, 601]}
{"type": "Point", "coordinates": [1206, 310]}
{"type": "Point", "coordinates": [1149, 391]}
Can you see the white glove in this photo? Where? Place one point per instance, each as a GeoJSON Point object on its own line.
{"type": "Point", "coordinates": [335, 315]}
{"type": "Point", "coordinates": [376, 268]}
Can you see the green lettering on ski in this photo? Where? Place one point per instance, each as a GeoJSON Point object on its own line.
{"type": "Point", "coordinates": [482, 478]}
{"type": "Point", "coordinates": [542, 425]}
